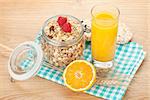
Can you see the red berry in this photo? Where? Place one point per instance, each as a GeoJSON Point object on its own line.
{"type": "Point", "coordinates": [66, 27]}
{"type": "Point", "coordinates": [61, 21]}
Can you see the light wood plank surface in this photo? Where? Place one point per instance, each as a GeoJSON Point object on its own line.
{"type": "Point", "coordinates": [20, 20]}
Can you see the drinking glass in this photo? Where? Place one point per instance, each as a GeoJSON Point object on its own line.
{"type": "Point", "coordinates": [104, 33]}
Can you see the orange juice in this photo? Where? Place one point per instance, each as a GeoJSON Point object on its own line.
{"type": "Point", "coordinates": [104, 34]}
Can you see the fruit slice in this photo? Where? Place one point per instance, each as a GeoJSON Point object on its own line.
{"type": "Point", "coordinates": [61, 21]}
{"type": "Point", "coordinates": [79, 75]}
{"type": "Point", "coordinates": [66, 27]}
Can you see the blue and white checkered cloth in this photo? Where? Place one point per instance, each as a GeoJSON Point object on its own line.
{"type": "Point", "coordinates": [128, 58]}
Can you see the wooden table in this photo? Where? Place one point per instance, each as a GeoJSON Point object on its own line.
{"type": "Point", "coordinates": [20, 20]}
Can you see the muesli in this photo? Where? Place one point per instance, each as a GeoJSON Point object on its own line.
{"type": "Point", "coordinates": [64, 40]}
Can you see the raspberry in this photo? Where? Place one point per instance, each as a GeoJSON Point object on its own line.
{"type": "Point", "coordinates": [66, 27]}
{"type": "Point", "coordinates": [61, 21]}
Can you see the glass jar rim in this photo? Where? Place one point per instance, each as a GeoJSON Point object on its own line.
{"type": "Point", "coordinates": [106, 5]}
{"type": "Point", "coordinates": [62, 43]}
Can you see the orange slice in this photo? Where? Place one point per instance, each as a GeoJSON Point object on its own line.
{"type": "Point", "coordinates": [79, 75]}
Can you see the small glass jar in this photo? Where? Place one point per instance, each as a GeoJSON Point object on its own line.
{"type": "Point", "coordinates": [27, 58]}
{"type": "Point", "coordinates": [60, 48]}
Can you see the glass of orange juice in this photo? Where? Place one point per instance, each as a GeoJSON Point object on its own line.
{"type": "Point", "coordinates": [104, 33]}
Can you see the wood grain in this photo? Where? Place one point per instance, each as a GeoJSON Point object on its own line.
{"type": "Point", "coordinates": [20, 20]}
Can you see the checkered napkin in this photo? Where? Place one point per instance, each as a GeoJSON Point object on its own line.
{"type": "Point", "coordinates": [128, 58]}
